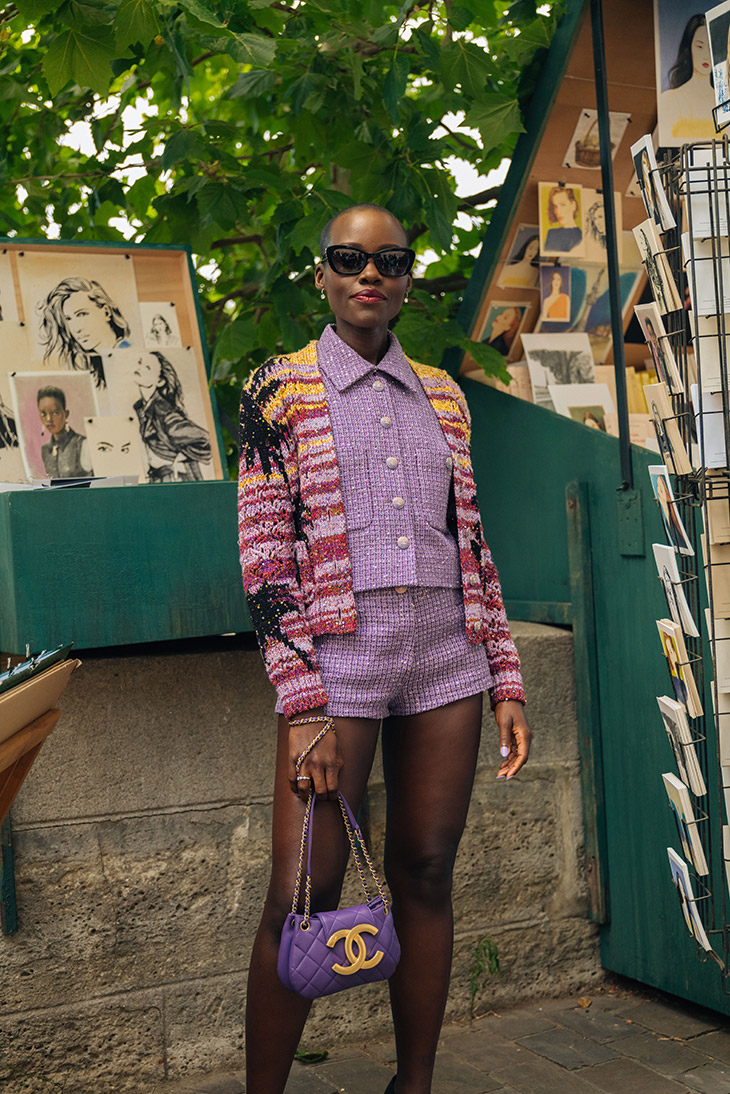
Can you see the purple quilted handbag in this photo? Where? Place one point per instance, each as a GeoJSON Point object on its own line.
{"type": "Point", "coordinates": [324, 952]}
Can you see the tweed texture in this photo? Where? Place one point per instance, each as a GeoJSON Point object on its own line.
{"type": "Point", "coordinates": [409, 654]}
{"type": "Point", "coordinates": [295, 561]}
{"type": "Point", "coordinates": [384, 503]}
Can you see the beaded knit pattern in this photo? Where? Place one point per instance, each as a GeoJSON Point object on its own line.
{"type": "Point", "coordinates": [295, 561]}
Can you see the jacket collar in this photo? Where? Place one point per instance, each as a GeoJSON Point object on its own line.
{"type": "Point", "coordinates": [344, 367]}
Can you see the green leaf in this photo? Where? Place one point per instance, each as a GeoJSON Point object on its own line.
{"type": "Point", "coordinates": [185, 144]}
{"type": "Point", "coordinates": [235, 342]}
{"type": "Point", "coordinates": [33, 10]}
{"type": "Point", "coordinates": [464, 63]}
{"type": "Point", "coordinates": [252, 49]}
{"type": "Point", "coordinates": [496, 117]}
{"type": "Point", "coordinates": [202, 12]}
{"type": "Point", "coordinates": [80, 56]}
{"type": "Point", "coordinates": [250, 84]}
{"type": "Point", "coordinates": [459, 17]}
{"type": "Point", "coordinates": [394, 87]}
{"type": "Point", "coordinates": [487, 357]}
{"type": "Point", "coordinates": [311, 1057]}
{"type": "Point", "coordinates": [136, 21]}
{"type": "Point", "coordinates": [84, 13]}
{"type": "Point", "coordinates": [222, 204]}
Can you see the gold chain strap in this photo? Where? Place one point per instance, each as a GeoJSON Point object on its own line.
{"type": "Point", "coordinates": [376, 879]}
{"type": "Point", "coordinates": [302, 845]}
{"type": "Point", "coordinates": [329, 724]}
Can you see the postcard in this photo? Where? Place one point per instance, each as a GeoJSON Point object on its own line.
{"type": "Point", "coordinates": [664, 494]}
{"type": "Point", "coordinates": [661, 278]}
{"type": "Point", "coordinates": [520, 269]}
{"type": "Point", "coordinates": [690, 911]}
{"type": "Point", "coordinates": [502, 324]}
{"type": "Point", "coordinates": [717, 489]}
{"type": "Point", "coordinates": [50, 408]}
{"type": "Point", "coordinates": [707, 262]}
{"type": "Point", "coordinates": [595, 227]}
{"type": "Point", "coordinates": [660, 347]}
{"type": "Point", "coordinates": [717, 576]}
{"type": "Point", "coordinates": [674, 717]}
{"type": "Point", "coordinates": [650, 184]}
{"type": "Point", "coordinates": [681, 805]}
{"type": "Point", "coordinates": [584, 147]}
{"type": "Point", "coordinates": [683, 67]}
{"type": "Point", "coordinates": [707, 186]}
{"type": "Point", "coordinates": [680, 669]}
{"type": "Point", "coordinates": [555, 295]}
{"type": "Point", "coordinates": [710, 425]}
{"type": "Point", "coordinates": [669, 439]}
{"type": "Point", "coordinates": [557, 359]}
{"type": "Point", "coordinates": [585, 403]}
{"type": "Point", "coordinates": [665, 559]}
{"type": "Point", "coordinates": [718, 26]}
{"type": "Point", "coordinates": [561, 220]}
{"type": "Point", "coordinates": [710, 334]}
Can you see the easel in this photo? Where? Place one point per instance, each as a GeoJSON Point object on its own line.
{"type": "Point", "coordinates": [17, 754]}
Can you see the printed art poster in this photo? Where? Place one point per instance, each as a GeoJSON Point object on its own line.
{"type": "Point", "coordinates": [685, 98]}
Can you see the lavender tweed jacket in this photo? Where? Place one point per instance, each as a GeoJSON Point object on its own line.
{"type": "Point", "coordinates": [296, 565]}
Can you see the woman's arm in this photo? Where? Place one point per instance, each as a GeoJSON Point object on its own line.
{"type": "Point", "coordinates": [268, 488]}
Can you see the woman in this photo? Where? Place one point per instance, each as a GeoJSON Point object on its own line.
{"type": "Point", "coordinates": [160, 333]}
{"type": "Point", "coordinates": [80, 323]}
{"type": "Point", "coordinates": [563, 213]}
{"type": "Point", "coordinates": [355, 486]}
{"type": "Point", "coordinates": [686, 108]}
{"type": "Point", "coordinates": [556, 305]}
{"type": "Point", "coordinates": [520, 272]}
{"type": "Point", "coordinates": [504, 330]}
{"type": "Point", "coordinates": [66, 455]}
{"type": "Point", "coordinates": [175, 445]}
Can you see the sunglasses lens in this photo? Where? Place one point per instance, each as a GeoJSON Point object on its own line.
{"type": "Point", "coordinates": [395, 263]}
{"type": "Point", "coordinates": [346, 260]}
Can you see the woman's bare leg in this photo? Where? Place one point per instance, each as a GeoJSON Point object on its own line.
{"type": "Point", "coordinates": [429, 762]}
{"type": "Point", "coordinates": [275, 1017]}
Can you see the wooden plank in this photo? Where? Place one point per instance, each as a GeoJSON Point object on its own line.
{"type": "Point", "coordinates": [16, 775]}
{"type": "Point", "coordinates": [587, 697]}
{"type": "Point", "coordinates": [540, 611]}
{"type": "Point", "coordinates": [21, 743]}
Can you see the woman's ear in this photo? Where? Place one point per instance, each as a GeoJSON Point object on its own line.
{"type": "Point", "coordinates": [319, 275]}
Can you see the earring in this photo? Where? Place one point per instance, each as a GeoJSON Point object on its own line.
{"type": "Point", "coordinates": [322, 295]}
{"type": "Point", "coordinates": [406, 299]}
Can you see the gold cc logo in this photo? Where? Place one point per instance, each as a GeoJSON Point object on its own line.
{"type": "Point", "coordinates": [354, 941]}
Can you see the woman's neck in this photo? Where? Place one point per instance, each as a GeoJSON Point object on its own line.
{"type": "Point", "coordinates": [370, 343]}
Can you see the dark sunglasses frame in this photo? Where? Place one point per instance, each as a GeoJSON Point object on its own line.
{"type": "Point", "coordinates": [366, 256]}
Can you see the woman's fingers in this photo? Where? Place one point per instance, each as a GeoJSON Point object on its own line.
{"type": "Point", "coordinates": [514, 737]}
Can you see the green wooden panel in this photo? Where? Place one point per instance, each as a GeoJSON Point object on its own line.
{"type": "Point", "coordinates": [524, 457]}
{"type": "Point", "coordinates": [116, 566]}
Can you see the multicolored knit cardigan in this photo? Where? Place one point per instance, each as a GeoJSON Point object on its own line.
{"type": "Point", "coordinates": [296, 566]}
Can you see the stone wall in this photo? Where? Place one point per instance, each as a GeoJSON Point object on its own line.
{"type": "Point", "coordinates": [142, 855]}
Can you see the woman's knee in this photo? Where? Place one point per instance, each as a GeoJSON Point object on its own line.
{"type": "Point", "coordinates": [424, 877]}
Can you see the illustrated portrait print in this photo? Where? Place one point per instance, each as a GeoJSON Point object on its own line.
{"type": "Point", "coordinates": [50, 408]}
{"type": "Point", "coordinates": [502, 325]}
{"type": "Point", "coordinates": [561, 220]}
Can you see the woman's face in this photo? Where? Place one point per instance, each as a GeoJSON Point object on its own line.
{"type": "Point", "coordinates": [53, 415]}
{"type": "Point", "coordinates": [531, 250]}
{"type": "Point", "coordinates": [504, 321]}
{"type": "Point", "coordinates": [700, 52]}
{"type": "Point", "coordinates": [366, 300]}
{"type": "Point", "coordinates": [556, 282]}
{"type": "Point", "coordinates": [564, 208]}
{"type": "Point", "coordinates": [88, 323]}
{"type": "Point", "coordinates": [147, 372]}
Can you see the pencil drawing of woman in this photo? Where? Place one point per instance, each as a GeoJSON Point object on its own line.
{"type": "Point", "coordinates": [174, 444]}
{"type": "Point", "coordinates": [80, 323]}
{"type": "Point", "coordinates": [8, 429]}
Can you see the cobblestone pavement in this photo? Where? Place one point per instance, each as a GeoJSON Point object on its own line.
{"type": "Point", "coordinates": [616, 1041]}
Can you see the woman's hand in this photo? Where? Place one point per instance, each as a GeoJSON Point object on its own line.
{"type": "Point", "coordinates": [322, 765]}
{"type": "Point", "coordinates": [514, 737]}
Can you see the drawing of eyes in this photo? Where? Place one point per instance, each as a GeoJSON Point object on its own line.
{"type": "Point", "coordinates": [104, 446]}
{"type": "Point", "coordinates": [126, 447]}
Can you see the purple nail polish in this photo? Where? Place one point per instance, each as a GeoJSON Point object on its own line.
{"type": "Point", "coordinates": [504, 751]}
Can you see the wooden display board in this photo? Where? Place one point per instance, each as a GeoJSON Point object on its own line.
{"type": "Point", "coordinates": [115, 333]}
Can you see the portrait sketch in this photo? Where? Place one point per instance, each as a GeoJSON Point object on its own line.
{"type": "Point", "coordinates": [585, 403]}
{"type": "Point", "coordinates": [161, 389]}
{"type": "Point", "coordinates": [676, 725]}
{"type": "Point", "coordinates": [79, 308]}
{"type": "Point", "coordinates": [685, 98]}
{"type": "Point", "coordinates": [584, 148]}
{"type": "Point", "coordinates": [502, 325]}
{"type": "Point", "coordinates": [595, 226]}
{"type": "Point", "coordinates": [681, 805]}
{"type": "Point", "coordinates": [555, 295]}
{"type": "Point", "coordinates": [669, 438]}
{"type": "Point", "coordinates": [115, 446]}
{"type": "Point", "coordinates": [561, 220]}
{"type": "Point", "coordinates": [660, 348]}
{"type": "Point", "coordinates": [13, 337]}
{"type": "Point", "coordinates": [8, 303]}
{"type": "Point", "coordinates": [661, 279]}
{"type": "Point", "coordinates": [673, 526]}
{"type": "Point", "coordinates": [650, 184]}
{"type": "Point", "coordinates": [557, 359]}
{"type": "Point", "coordinates": [160, 325]}
{"type": "Point", "coordinates": [665, 560]}
{"type": "Point", "coordinates": [683, 884]}
{"type": "Point", "coordinates": [520, 269]}
{"type": "Point", "coordinates": [50, 408]}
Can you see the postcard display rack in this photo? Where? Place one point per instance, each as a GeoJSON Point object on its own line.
{"type": "Point", "coordinates": [691, 411]}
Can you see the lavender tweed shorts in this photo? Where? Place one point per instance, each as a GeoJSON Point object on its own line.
{"type": "Point", "coordinates": [408, 654]}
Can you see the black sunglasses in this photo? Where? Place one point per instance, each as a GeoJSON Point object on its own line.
{"type": "Point", "coordinates": [389, 262]}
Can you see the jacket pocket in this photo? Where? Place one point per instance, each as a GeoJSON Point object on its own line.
{"type": "Point", "coordinates": [435, 470]}
{"type": "Point", "coordinates": [356, 490]}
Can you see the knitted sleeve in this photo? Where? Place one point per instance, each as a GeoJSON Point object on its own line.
{"type": "Point", "coordinates": [267, 523]}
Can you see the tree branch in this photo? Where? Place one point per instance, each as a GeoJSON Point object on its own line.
{"type": "Point", "coordinates": [482, 198]}
{"type": "Point", "coordinates": [453, 282]}
{"type": "Point", "coordinates": [232, 241]}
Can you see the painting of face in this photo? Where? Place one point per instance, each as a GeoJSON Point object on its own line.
{"type": "Point", "coordinates": [88, 323]}
{"type": "Point", "coordinates": [114, 446]}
